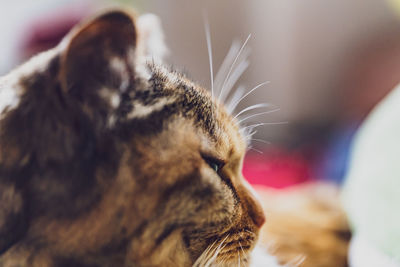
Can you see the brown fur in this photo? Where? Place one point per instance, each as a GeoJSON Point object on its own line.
{"type": "Point", "coordinates": [101, 165]}
{"type": "Point", "coordinates": [306, 226]}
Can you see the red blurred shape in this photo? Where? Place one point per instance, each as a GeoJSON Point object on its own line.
{"type": "Point", "coordinates": [276, 168]}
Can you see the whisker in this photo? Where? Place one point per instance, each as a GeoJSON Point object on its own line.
{"type": "Point", "coordinates": [222, 72]}
{"type": "Point", "coordinates": [210, 247]}
{"type": "Point", "coordinates": [205, 255]}
{"type": "Point", "coordinates": [209, 49]}
{"type": "Point", "coordinates": [233, 79]}
{"type": "Point", "coordinates": [249, 92]}
{"type": "Point", "coordinates": [297, 261]}
{"type": "Point", "coordinates": [258, 114]}
{"type": "Point", "coordinates": [264, 123]}
{"type": "Point", "coordinates": [233, 64]}
{"type": "Point", "coordinates": [241, 248]}
{"type": "Point", "coordinates": [260, 140]}
{"type": "Point", "coordinates": [261, 105]}
{"type": "Point", "coordinates": [252, 148]}
{"type": "Point", "coordinates": [245, 256]}
{"type": "Point", "coordinates": [235, 97]}
{"type": "Point", "coordinates": [248, 231]}
{"type": "Point", "coordinates": [250, 134]}
{"type": "Point", "coordinates": [218, 250]}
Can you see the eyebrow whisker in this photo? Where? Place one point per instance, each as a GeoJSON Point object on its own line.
{"type": "Point", "coordinates": [209, 49]}
{"type": "Point", "coordinates": [258, 114]}
{"type": "Point", "coordinates": [261, 105]}
{"type": "Point", "coordinates": [249, 92]}
{"type": "Point", "coordinates": [233, 64]}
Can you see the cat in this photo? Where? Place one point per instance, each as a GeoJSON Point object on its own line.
{"type": "Point", "coordinates": [110, 159]}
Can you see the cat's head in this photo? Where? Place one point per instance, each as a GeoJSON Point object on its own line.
{"type": "Point", "coordinates": [109, 160]}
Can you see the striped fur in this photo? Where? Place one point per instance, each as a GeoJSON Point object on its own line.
{"type": "Point", "coordinates": [107, 161]}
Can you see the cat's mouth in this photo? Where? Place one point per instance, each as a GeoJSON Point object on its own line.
{"type": "Point", "coordinates": [233, 246]}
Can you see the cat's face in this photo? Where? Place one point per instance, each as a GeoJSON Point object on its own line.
{"type": "Point", "coordinates": [110, 161]}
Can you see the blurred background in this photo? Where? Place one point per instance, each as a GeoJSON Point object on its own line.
{"type": "Point", "coordinates": [328, 63]}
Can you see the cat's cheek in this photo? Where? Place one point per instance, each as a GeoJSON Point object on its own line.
{"type": "Point", "coordinates": [219, 204]}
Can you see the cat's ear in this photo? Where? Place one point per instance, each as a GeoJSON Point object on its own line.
{"type": "Point", "coordinates": [151, 44]}
{"type": "Point", "coordinates": [99, 60]}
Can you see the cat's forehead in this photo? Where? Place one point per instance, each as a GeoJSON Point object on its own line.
{"type": "Point", "coordinates": [220, 129]}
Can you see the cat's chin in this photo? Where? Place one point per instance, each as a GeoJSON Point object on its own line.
{"type": "Point", "coordinates": [233, 248]}
{"type": "Point", "coordinates": [257, 257]}
{"type": "Point", "coordinates": [260, 258]}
